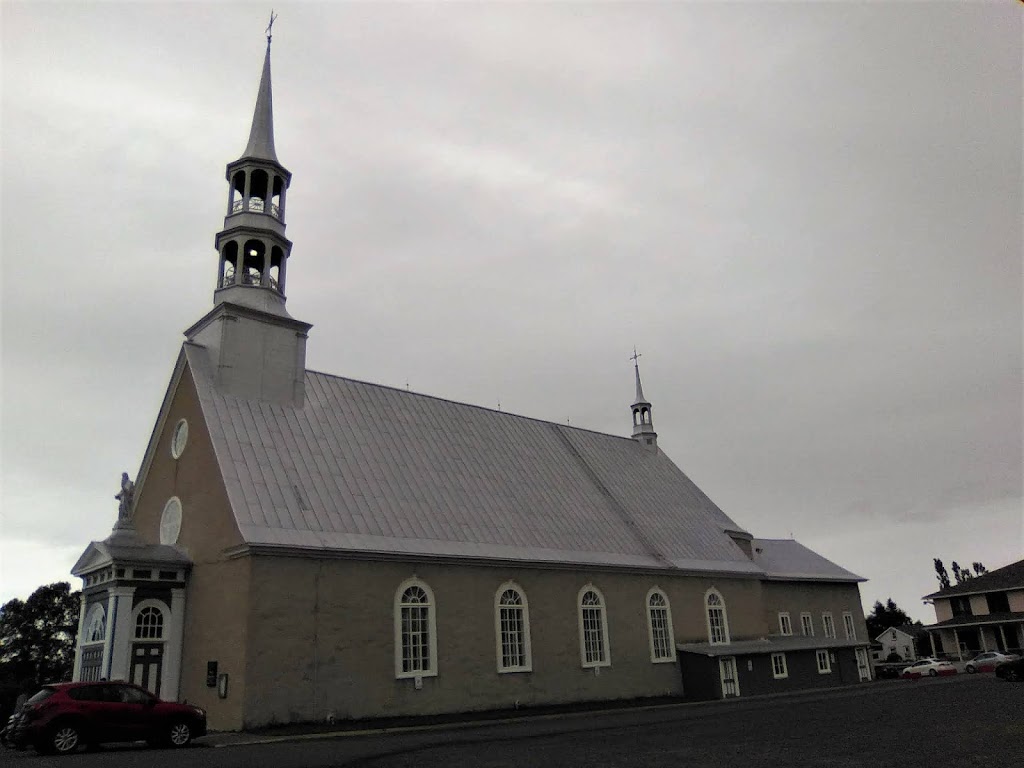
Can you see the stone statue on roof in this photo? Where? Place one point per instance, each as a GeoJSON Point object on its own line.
{"type": "Point", "coordinates": [125, 497]}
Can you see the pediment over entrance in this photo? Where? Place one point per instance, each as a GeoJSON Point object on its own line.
{"type": "Point", "coordinates": [127, 550]}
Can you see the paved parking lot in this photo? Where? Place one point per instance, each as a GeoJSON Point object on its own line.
{"type": "Point", "coordinates": [965, 720]}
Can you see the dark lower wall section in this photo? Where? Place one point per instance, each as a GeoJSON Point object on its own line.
{"type": "Point", "coordinates": [755, 673]}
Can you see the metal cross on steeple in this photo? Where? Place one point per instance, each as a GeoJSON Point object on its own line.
{"type": "Point", "coordinates": [636, 356]}
{"type": "Point", "coordinates": [270, 26]}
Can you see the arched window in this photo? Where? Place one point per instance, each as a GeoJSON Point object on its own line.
{"type": "Point", "coordinates": [659, 624]}
{"type": "Point", "coordinates": [718, 622]}
{"type": "Point", "coordinates": [512, 629]}
{"type": "Point", "coordinates": [149, 624]}
{"type": "Point", "coordinates": [96, 626]}
{"type": "Point", "coordinates": [415, 630]}
{"type": "Point", "coordinates": [594, 650]}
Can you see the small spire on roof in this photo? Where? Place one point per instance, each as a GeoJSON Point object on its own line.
{"type": "Point", "coordinates": [261, 135]}
{"type": "Point", "coordinates": [636, 367]}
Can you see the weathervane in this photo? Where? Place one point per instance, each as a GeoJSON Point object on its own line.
{"type": "Point", "coordinates": [270, 26]}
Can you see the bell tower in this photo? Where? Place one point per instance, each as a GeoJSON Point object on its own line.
{"type": "Point", "coordinates": [643, 424]}
{"type": "Point", "coordinates": [257, 348]}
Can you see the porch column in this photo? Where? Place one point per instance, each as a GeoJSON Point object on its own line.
{"type": "Point", "coordinates": [172, 648]}
{"type": "Point", "coordinates": [77, 673]}
{"type": "Point", "coordinates": [120, 631]}
{"type": "Point", "coordinates": [1002, 635]}
{"type": "Point", "coordinates": [956, 642]}
{"type": "Point", "coordinates": [931, 638]}
{"type": "Point", "coordinates": [984, 644]}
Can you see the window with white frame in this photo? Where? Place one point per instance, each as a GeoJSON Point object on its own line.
{"type": "Point", "coordinates": [851, 631]}
{"type": "Point", "coordinates": [718, 622]}
{"type": "Point", "coordinates": [824, 665]}
{"type": "Point", "coordinates": [415, 630]}
{"type": "Point", "coordinates": [594, 650]}
{"type": "Point", "coordinates": [828, 624]}
{"type": "Point", "coordinates": [513, 629]}
{"type": "Point", "coordinates": [659, 622]}
{"type": "Point", "coordinates": [807, 624]}
{"type": "Point", "coordinates": [785, 625]}
{"type": "Point", "coordinates": [96, 626]}
{"type": "Point", "coordinates": [779, 669]}
{"type": "Point", "coordinates": [149, 624]}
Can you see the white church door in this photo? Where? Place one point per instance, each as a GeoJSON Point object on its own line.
{"type": "Point", "coordinates": [730, 682]}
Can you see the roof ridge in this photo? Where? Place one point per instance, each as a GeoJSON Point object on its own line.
{"type": "Point", "coordinates": [470, 405]}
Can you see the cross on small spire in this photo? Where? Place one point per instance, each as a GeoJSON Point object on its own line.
{"type": "Point", "coordinates": [636, 356]}
{"type": "Point", "coordinates": [270, 26]}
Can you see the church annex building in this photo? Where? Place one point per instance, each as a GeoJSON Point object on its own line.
{"type": "Point", "coordinates": [299, 546]}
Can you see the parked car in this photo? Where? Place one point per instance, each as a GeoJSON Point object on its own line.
{"type": "Point", "coordinates": [63, 716]}
{"type": "Point", "coordinates": [989, 660]}
{"type": "Point", "coordinates": [929, 667]}
{"type": "Point", "coordinates": [1011, 671]}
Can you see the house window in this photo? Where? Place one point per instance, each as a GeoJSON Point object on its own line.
{"type": "Point", "coordinates": [863, 668]}
{"type": "Point", "coordinates": [807, 624]}
{"type": "Point", "coordinates": [961, 606]}
{"type": "Point", "coordinates": [824, 665]}
{"type": "Point", "coordinates": [785, 626]}
{"type": "Point", "coordinates": [513, 630]}
{"type": "Point", "coordinates": [830, 626]}
{"type": "Point", "coordinates": [659, 622]}
{"type": "Point", "coordinates": [149, 624]}
{"type": "Point", "coordinates": [96, 629]}
{"type": "Point", "coordinates": [415, 630]}
{"type": "Point", "coordinates": [779, 669]}
{"type": "Point", "coordinates": [718, 622]}
{"type": "Point", "coordinates": [593, 629]}
{"type": "Point", "coordinates": [851, 631]}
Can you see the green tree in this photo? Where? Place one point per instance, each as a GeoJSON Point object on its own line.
{"type": "Point", "coordinates": [37, 640]}
{"type": "Point", "coordinates": [941, 574]}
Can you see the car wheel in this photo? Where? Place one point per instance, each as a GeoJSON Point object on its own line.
{"type": "Point", "coordinates": [1011, 676]}
{"type": "Point", "coordinates": [179, 734]}
{"type": "Point", "coordinates": [64, 739]}
{"type": "Point", "coordinates": [971, 670]}
{"type": "Point", "coordinates": [932, 673]}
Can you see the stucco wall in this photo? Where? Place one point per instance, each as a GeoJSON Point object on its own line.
{"type": "Point", "coordinates": [815, 598]}
{"type": "Point", "coordinates": [321, 637]}
{"type": "Point", "coordinates": [943, 610]}
{"type": "Point", "coordinates": [217, 596]}
{"type": "Point", "coordinates": [1016, 599]}
{"type": "Point", "coordinates": [979, 605]}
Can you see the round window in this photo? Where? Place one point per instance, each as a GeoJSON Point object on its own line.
{"type": "Point", "coordinates": [170, 521]}
{"type": "Point", "coordinates": [179, 438]}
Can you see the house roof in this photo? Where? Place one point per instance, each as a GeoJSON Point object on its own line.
{"type": "Point", "coordinates": [788, 559]}
{"type": "Point", "coordinates": [974, 621]}
{"type": "Point", "coordinates": [908, 629]}
{"type": "Point", "coordinates": [125, 546]}
{"type": "Point", "coordinates": [1008, 577]}
{"type": "Point", "coordinates": [771, 644]}
{"type": "Point", "coordinates": [367, 468]}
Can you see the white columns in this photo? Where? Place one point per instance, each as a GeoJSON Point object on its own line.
{"type": "Point", "coordinates": [172, 646]}
{"type": "Point", "coordinates": [77, 673]}
{"type": "Point", "coordinates": [931, 637]}
{"type": "Point", "coordinates": [984, 644]}
{"type": "Point", "coordinates": [956, 642]}
{"type": "Point", "coordinates": [119, 633]}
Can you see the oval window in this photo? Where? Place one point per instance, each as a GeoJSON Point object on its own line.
{"type": "Point", "coordinates": [179, 438]}
{"type": "Point", "coordinates": [170, 521]}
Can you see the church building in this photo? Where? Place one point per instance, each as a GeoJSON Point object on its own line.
{"type": "Point", "coordinates": [299, 546]}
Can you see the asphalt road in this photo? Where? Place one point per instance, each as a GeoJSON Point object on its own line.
{"type": "Point", "coordinates": [962, 721]}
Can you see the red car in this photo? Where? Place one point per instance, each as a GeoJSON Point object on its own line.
{"type": "Point", "coordinates": [64, 716]}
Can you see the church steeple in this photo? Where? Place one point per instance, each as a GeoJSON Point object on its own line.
{"type": "Point", "coordinates": [257, 349]}
{"type": "Point", "coordinates": [252, 247]}
{"type": "Point", "coordinates": [643, 424]}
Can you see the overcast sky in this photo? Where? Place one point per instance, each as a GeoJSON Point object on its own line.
{"type": "Point", "coordinates": [807, 218]}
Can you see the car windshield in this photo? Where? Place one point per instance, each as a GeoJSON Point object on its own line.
{"type": "Point", "coordinates": [43, 695]}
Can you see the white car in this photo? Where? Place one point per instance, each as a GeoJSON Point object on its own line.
{"type": "Point", "coordinates": [989, 660]}
{"type": "Point", "coordinates": [929, 667]}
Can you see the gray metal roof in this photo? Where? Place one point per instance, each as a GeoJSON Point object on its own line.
{"type": "Point", "coordinates": [367, 468]}
{"type": "Point", "coordinates": [789, 560]}
{"type": "Point", "coordinates": [261, 134]}
{"type": "Point", "coordinates": [771, 644]}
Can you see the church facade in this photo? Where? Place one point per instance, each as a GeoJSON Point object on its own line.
{"type": "Point", "coordinates": [299, 546]}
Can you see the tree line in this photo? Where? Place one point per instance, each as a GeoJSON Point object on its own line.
{"type": "Point", "coordinates": [37, 641]}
